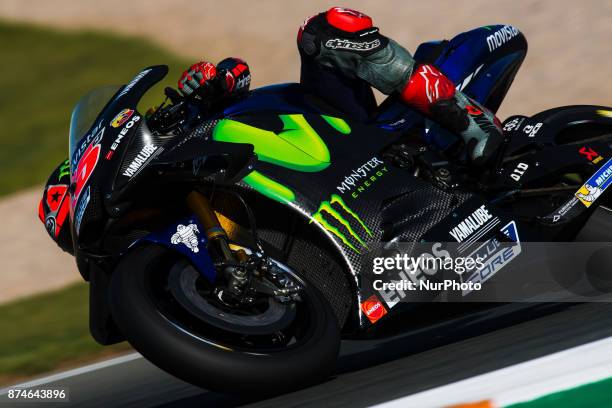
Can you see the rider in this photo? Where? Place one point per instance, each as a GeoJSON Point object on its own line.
{"type": "Point", "coordinates": [343, 55]}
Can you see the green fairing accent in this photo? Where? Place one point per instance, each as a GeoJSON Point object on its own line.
{"type": "Point", "coordinates": [269, 187]}
{"type": "Point", "coordinates": [337, 199]}
{"type": "Point", "coordinates": [64, 170]}
{"type": "Point", "coordinates": [319, 218]}
{"type": "Point", "coordinates": [326, 207]}
{"type": "Point", "coordinates": [299, 133]}
{"type": "Point", "coordinates": [339, 124]}
{"type": "Point", "coordinates": [297, 146]}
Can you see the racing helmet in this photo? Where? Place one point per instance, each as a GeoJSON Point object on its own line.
{"type": "Point", "coordinates": [54, 207]}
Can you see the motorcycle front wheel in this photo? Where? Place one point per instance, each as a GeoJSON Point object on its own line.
{"type": "Point", "coordinates": [167, 312]}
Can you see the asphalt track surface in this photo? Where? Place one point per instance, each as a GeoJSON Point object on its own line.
{"type": "Point", "coordinates": [371, 372]}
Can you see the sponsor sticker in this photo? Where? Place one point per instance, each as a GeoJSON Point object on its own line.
{"type": "Point", "coordinates": [495, 256]}
{"type": "Point", "coordinates": [141, 159]}
{"type": "Point", "coordinates": [243, 82]}
{"type": "Point", "coordinates": [133, 82]}
{"type": "Point", "coordinates": [121, 118]}
{"type": "Point", "coordinates": [186, 235]}
{"type": "Point", "coordinates": [595, 185]}
{"type": "Point", "coordinates": [564, 209]}
{"type": "Point", "coordinates": [373, 309]}
{"type": "Point", "coordinates": [513, 124]}
{"type": "Point", "coordinates": [343, 44]}
{"type": "Point", "coordinates": [94, 137]}
{"type": "Point", "coordinates": [86, 166]}
{"type": "Point", "coordinates": [531, 130]}
{"type": "Point", "coordinates": [83, 203]}
{"type": "Point", "coordinates": [64, 170]}
{"type": "Point", "coordinates": [501, 36]}
{"type": "Point", "coordinates": [480, 220]}
{"type": "Point", "coordinates": [519, 171]}
{"type": "Point", "coordinates": [590, 154]}
{"type": "Point", "coordinates": [120, 136]}
{"type": "Point", "coordinates": [340, 220]}
{"type": "Point", "coordinates": [362, 177]}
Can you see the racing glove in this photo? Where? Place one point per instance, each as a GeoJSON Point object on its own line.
{"type": "Point", "coordinates": [230, 78]}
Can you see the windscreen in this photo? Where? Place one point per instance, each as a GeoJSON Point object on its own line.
{"type": "Point", "coordinates": [86, 111]}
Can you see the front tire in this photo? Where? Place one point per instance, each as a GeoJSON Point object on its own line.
{"type": "Point", "coordinates": [210, 359]}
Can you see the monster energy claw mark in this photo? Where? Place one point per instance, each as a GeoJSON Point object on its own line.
{"type": "Point", "coordinates": [64, 169]}
{"type": "Point", "coordinates": [327, 210]}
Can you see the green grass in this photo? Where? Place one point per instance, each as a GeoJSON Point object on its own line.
{"type": "Point", "coordinates": [47, 331]}
{"type": "Point", "coordinates": [42, 75]}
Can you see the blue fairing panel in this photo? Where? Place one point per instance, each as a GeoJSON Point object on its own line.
{"type": "Point", "coordinates": [480, 60]}
{"type": "Point", "coordinates": [288, 98]}
{"type": "Point", "coordinates": [186, 237]}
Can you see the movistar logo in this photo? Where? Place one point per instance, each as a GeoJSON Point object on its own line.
{"type": "Point", "coordinates": [335, 211]}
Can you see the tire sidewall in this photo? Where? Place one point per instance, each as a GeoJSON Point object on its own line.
{"type": "Point", "coordinates": [195, 361]}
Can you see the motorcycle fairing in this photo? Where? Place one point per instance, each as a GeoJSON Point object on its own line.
{"type": "Point", "coordinates": [390, 204]}
{"type": "Point", "coordinates": [358, 200]}
{"type": "Point", "coordinates": [483, 62]}
{"type": "Point", "coordinates": [354, 197]}
{"type": "Point", "coordinates": [186, 236]}
{"type": "Point", "coordinates": [396, 205]}
{"type": "Point", "coordinates": [551, 129]}
{"type": "Point", "coordinates": [555, 128]}
{"type": "Point", "coordinates": [97, 171]}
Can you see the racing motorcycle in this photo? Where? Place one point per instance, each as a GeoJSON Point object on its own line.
{"type": "Point", "coordinates": [231, 249]}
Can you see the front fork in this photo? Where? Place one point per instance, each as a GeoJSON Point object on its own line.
{"type": "Point", "coordinates": [236, 276]}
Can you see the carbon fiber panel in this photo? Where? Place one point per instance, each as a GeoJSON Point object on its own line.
{"type": "Point", "coordinates": [359, 200]}
{"type": "Point", "coordinates": [298, 244]}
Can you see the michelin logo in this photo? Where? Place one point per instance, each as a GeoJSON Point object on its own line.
{"type": "Point", "coordinates": [596, 185]}
{"type": "Point", "coordinates": [186, 235]}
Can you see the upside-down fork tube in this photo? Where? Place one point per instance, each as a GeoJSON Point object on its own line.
{"type": "Point", "coordinates": [199, 204]}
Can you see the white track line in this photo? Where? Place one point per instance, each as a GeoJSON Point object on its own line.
{"type": "Point", "coordinates": [71, 373]}
{"type": "Point", "coordinates": [521, 382]}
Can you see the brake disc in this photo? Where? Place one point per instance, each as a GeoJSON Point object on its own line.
{"type": "Point", "coordinates": [276, 317]}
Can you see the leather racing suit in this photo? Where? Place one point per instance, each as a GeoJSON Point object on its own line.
{"type": "Point", "coordinates": [343, 54]}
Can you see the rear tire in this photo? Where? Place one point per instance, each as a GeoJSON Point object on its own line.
{"type": "Point", "coordinates": [207, 362]}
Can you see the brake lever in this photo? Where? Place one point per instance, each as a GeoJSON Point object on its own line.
{"type": "Point", "coordinates": [173, 95]}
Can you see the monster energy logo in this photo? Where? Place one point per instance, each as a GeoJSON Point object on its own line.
{"type": "Point", "coordinates": [64, 170]}
{"type": "Point", "coordinates": [327, 212]}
